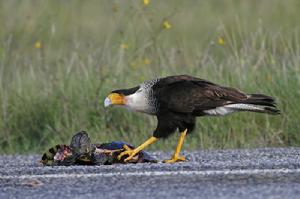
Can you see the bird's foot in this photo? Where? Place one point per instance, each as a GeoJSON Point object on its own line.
{"type": "Point", "coordinates": [129, 152]}
{"type": "Point", "coordinates": [175, 159]}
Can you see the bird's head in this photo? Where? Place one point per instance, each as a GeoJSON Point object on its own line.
{"type": "Point", "coordinates": [120, 97]}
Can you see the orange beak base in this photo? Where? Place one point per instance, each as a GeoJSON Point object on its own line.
{"type": "Point", "coordinates": [114, 99]}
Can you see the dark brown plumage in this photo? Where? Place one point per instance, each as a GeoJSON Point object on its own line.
{"type": "Point", "coordinates": [178, 100]}
{"type": "Point", "coordinates": [182, 98]}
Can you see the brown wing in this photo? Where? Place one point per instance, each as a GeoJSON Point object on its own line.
{"type": "Point", "coordinates": [180, 78]}
{"type": "Point", "coordinates": [188, 94]}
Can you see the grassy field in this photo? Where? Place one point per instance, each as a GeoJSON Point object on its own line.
{"type": "Point", "coordinates": [59, 59]}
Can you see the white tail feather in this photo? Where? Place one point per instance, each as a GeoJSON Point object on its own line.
{"type": "Point", "coordinates": [230, 108]}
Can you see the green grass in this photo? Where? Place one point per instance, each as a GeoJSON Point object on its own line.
{"type": "Point", "coordinates": [49, 93]}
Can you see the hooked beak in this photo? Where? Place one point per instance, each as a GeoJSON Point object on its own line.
{"type": "Point", "coordinates": [114, 99]}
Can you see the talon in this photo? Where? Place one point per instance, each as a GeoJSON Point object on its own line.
{"type": "Point", "coordinates": [129, 157]}
{"type": "Point", "coordinates": [128, 151]}
{"type": "Point", "coordinates": [175, 159]}
{"type": "Point", "coordinates": [127, 148]}
{"type": "Point", "coordinates": [121, 155]}
{"type": "Point", "coordinates": [132, 152]}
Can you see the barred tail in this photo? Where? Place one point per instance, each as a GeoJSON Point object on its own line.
{"type": "Point", "coordinates": [261, 103]}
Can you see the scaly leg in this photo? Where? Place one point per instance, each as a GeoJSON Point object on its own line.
{"type": "Point", "coordinates": [132, 152]}
{"type": "Point", "coordinates": [176, 157]}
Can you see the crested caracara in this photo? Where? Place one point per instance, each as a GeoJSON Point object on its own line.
{"type": "Point", "coordinates": [176, 101]}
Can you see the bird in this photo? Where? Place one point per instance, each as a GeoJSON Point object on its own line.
{"type": "Point", "coordinates": [178, 100]}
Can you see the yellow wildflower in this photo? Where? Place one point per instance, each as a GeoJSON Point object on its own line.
{"type": "Point", "coordinates": [115, 8]}
{"type": "Point", "coordinates": [146, 2]}
{"type": "Point", "coordinates": [269, 77]}
{"type": "Point", "coordinates": [124, 46]}
{"type": "Point", "coordinates": [146, 61]}
{"type": "Point", "coordinates": [134, 64]}
{"type": "Point", "coordinates": [166, 24]}
{"type": "Point", "coordinates": [38, 44]}
{"type": "Point", "coordinates": [221, 41]}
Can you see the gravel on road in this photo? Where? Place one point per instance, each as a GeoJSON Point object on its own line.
{"type": "Point", "coordinates": [245, 173]}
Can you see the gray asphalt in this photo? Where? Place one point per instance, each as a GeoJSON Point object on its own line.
{"type": "Point", "coordinates": [253, 173]}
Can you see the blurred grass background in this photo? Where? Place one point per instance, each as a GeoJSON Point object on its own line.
{"type": "Point", "coordinates": [59, 59]}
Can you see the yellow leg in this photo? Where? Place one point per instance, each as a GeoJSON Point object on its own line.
{"type": "Point", "coordinates": [132, 152]}
{"type": "Point", "coordinates": [176, 157]}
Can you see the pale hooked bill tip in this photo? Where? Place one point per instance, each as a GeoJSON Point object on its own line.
{"type": "Point", "coordinates": [107, 102]}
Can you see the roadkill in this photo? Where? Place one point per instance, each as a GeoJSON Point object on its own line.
{"type": "Point", "coordinates": [81, 151]}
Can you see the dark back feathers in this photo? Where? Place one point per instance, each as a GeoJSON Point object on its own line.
{"type": "Point", "coordinates": [186, 94]}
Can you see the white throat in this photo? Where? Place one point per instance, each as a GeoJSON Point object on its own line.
{"type": "Point", "coordinates": [139, 102]}
{"type": "Point", "coordinates": [142, 100]}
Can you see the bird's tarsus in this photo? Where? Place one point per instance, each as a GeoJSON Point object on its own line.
{"type": "Point", "coordinates": [176, 157]}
